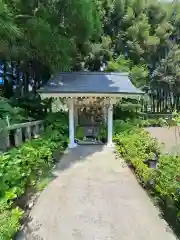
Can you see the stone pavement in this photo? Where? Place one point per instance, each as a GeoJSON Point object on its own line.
{"type": "Point", "coordinates": [94, 196]}
{"type": "Point", "coordinates": [170, 137]}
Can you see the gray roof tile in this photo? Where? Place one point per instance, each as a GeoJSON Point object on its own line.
{"type": "Point", "coordinates": [90, 82]}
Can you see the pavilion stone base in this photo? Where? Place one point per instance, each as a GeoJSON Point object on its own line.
{"type": "Point", "coordinates": [110, 145]}
{"type": "Point", "coordinates": [72, 145]}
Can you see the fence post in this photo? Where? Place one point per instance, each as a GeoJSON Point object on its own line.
{"type": "Point", "coordinates": [35, 130]}
{"type": "Point", "coordinates": [41, 128]}
{"type": "Point", "coordinates": [18, 137]}
{"type": "Point", "coordinates": [28, 133]}
{"type": "Point", "coordinates": [4, 140]}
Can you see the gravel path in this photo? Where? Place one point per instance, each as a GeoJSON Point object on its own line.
{"type": "Point", "coordinates": [94, 197]}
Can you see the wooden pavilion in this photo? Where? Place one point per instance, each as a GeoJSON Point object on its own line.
{"type": "Point", "coordinates": [90, 97]}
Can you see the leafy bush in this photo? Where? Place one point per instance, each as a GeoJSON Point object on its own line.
{"type": "Point", "coordinates": [9, 220]}
{"type": "Point", "coordinates": [58, 121]}
{"type": "Point", "coordinates": [103, 132]}
{"type": "Point", "coordinates": [167, 182]}
{"type": "Point", "coordinates": [126, 109]}
{"type": "Point", "coordinates": [32, 105]}
{"type": "Point", "coordinates": [22, 167]}
{"type": "Point", "coordinates": [79, 133]}
{"type": "Point", "coordinates": [159, 122]}
{"type": "Point", "coordinates": [15, 114]}
{"type": "Point", "coordinates": [22, 109]}
{"type": "Point", "coordinates": [135, 145]}
{"type": "Point", "coordinates": [121, 126]}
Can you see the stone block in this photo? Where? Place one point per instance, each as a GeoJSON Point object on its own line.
{"type": "Point", "coordinates": [41, 128]}
{"type": "Point", "coordinates": [4, 140]}
{"type": "Point", "coordinates": [18, 137]}
{"type": "Point", "coordinates": [36, 131]}
{"type": "Point", "coordinates": [28, 133]}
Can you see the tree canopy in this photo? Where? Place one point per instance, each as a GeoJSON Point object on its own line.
{"type": "Point", "coordinates": [112, 35]}
{"type": "Point", "coordinates": [51, 32]}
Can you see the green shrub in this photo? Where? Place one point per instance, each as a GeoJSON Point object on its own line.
{"type": "Point", "coordinates": [167, 182]}
{"type": "Point", "coordinates": [126, 109]}
{"type": "Point", "coordinates": [121, 126]}
{"type": "Point", "coordinates": [9, 223]}
{"type": "Point", "coordinates": [79, 133]}
{"type": "Point", "coordinates": [23, 167]}
{"type": "Point", "coordinates": [135, 145]}
{"type": "Point", "coordinates": [14, 114]}
{"type": "Point", "coordinates": [103, 132]}
{"type": "Point", "coordinates": [153, 122]}
{"type": "Point", "coordinates": [58, 121]}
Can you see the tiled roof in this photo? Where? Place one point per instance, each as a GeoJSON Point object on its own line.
{"type": "Point", "coordinates": [90, 82]}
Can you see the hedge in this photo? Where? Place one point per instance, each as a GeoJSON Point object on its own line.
{"type": "Point", "coordinates": [22, 167]}
{"type": "Point", "coordinates": [135, 146]}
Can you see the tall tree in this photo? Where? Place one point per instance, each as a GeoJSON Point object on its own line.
{"type": "Point", "coordinates": [41, 35]}
{"type": "Point", "coordinates": [52, 31]}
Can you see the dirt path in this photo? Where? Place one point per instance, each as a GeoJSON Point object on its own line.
{"type": "Point", "coordinates": [94, 197]}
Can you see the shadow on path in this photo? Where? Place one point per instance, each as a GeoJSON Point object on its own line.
{"type": "Point", "coordinates": [78, 154]}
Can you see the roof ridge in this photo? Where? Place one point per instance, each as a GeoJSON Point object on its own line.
{"type": "Point", "coordinates": [95, 73]}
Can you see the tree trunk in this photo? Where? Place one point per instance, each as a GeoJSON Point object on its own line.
{"type": "Point", "coordinates": [18, 82]}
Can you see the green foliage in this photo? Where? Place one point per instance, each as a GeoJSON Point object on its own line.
{"type": "Point", "coordinates": [167, 181]}
{"type": "Point", "coordinates": [52, 32]}
{"type": "Point", "coordinates": [139, 75]}
{"type": "Point", "coordinates": [135, 145]}
{"type": "Point", "coordinates": [120, 64]}
{"type": "Point", "coordinates": [43, 182]}
{"type": "Point", "coordinates": [140, 34]}
{"type": "Point", "coordinates": [23, 167]}
{"type": "Point", "coordinates": [32, 106]}
{"type": "Point", "coordinates": [121, 126]}
{"type": "Point", "coordinates": [9, 220]}
{"type": "Point", "coordinates": [121, 35]}
{"type": "Point", "coordinates": [58, 121]}
{"type": "Point", "coordinates": [175, 121]}
{"type": "Point", "coordinates": [10, 114]}
{"type": "Point", "coordinates": [79, 133]}
{"type": "Point", "coordinates": [167, 73]}
{"type": "Point", "coordinates": [9, 32]}
{"type": "Point", "coordinates": [103, 132]}
{"type": "Point", "coordinates": [154, 122]}
{"type": "Point", "coordinates": [126, 109]}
